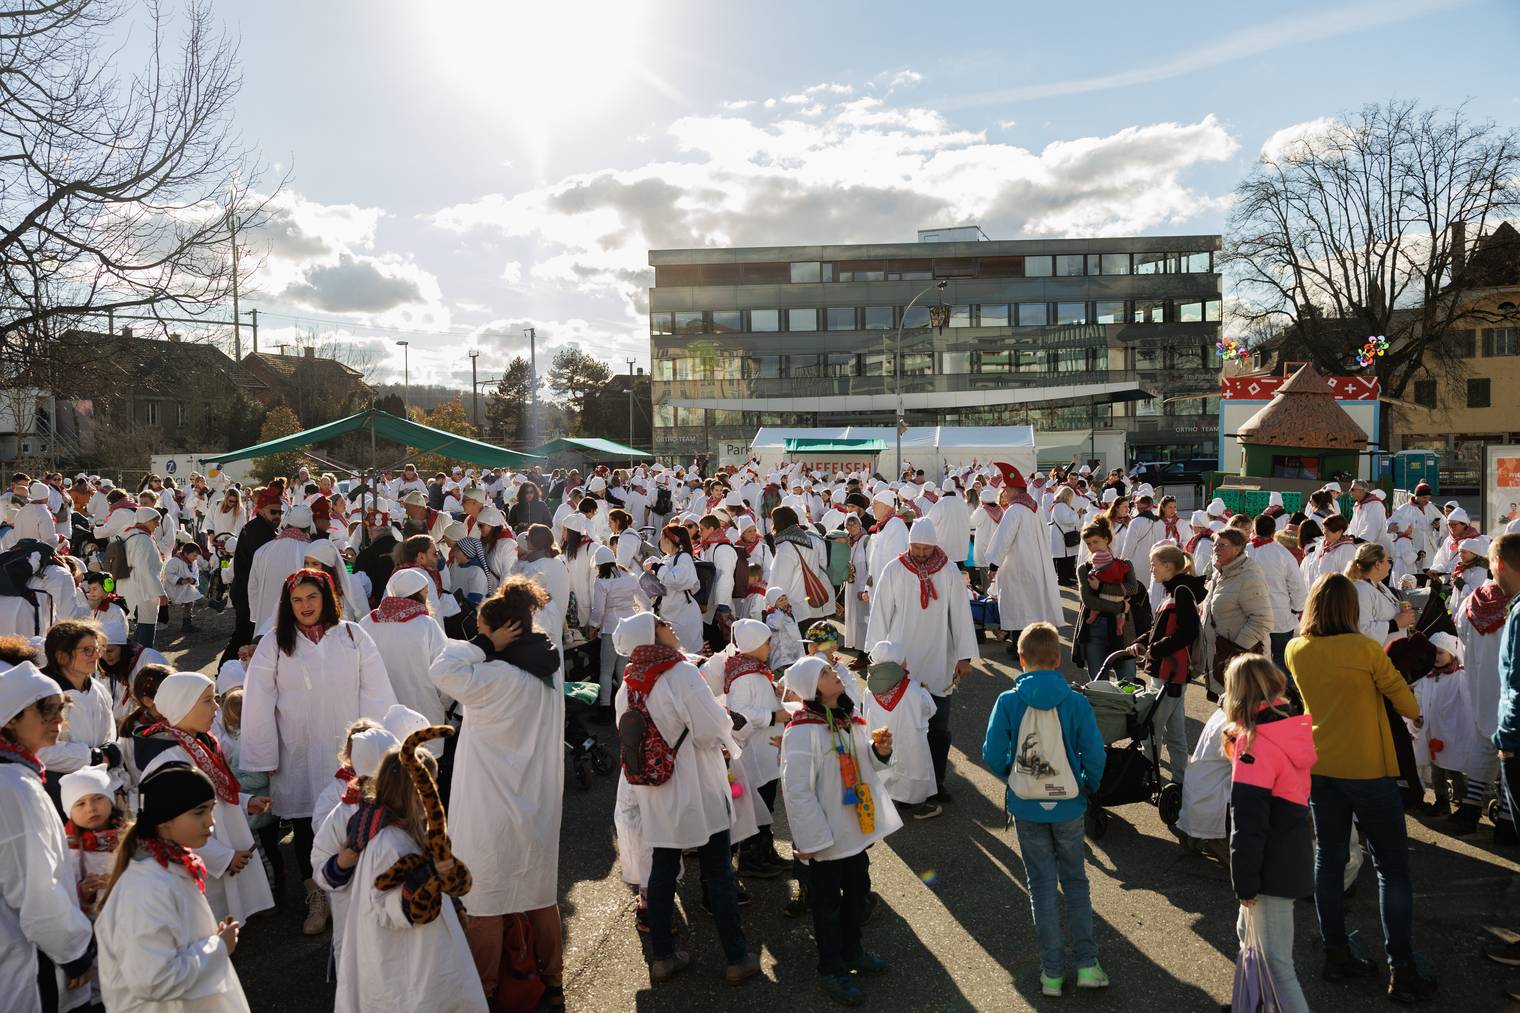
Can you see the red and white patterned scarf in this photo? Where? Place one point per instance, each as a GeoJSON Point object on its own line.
{"type": "Point", "coordinates": [1487, 608]}
{"type": "Point", "coordinates": [398, 610]}
{"type": "Point", "coordinates": [648, 663]}
{"type": "Point", "coordinates": [739, 665]}
{"type": "Point", "coordinates": [164, 853]}
{"type": "Point", "coordinates": [295, 535]}
{"type": "Point", "coordinates": [11, 752]}
{"type": "Point", "coordinates": [101, 841]}
{"type": "Point", "coordinates": [1192, 544]}
{"type": "Point", "coordinates": [355, 785]}
{"type": "Point", "coordinates": [206, 753]}
{"type": "Point", "coordinates": [925, 573]}
{"type": "Point", "coordinates": [1173, 528]}
{"type": "Point", "coordinates": [994, 511]}
{"type": "Point", "coordinates": [1023, 499]}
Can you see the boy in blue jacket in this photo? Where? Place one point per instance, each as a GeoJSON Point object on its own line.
{"type": "Point", "coordinates": [1050, 832]}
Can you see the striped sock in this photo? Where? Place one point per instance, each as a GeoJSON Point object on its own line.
{"type": "Point", "coordinates": [1477, 791]}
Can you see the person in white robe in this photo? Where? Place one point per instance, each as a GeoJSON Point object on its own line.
{"type": "Point", "coordinates": [1480, 623]}
{"type": "Point", "coordinates": [538, 561]}
{"type": "Point", "coordinates": [984, 521]}
{"type": "Point", "coordinates": [1285, 585]}
{"type": "Point", "coordinates": [888, 535]}
{"type": "Point", "coordinates": [1065, 525]}
{"type": "Point", "coordinates": [34, 520]}
{"type": "Point", "coordinates": [323, 554]}
{"type": "Point", "coordinates": [895, 701]}
{"type": "Point", "coordinates": [677, 573]}
{"type": "Point", "coordinates": [408, 637]}
{"type": "Point", "coordinates": [952, 519]}
{"type": "Point", "coordinates": [39, 910]}
{"type": "Point", "coordinates": [310, 678]}
{"type": "Point", "coordinates": [273, 562]}
{"type": "Point", "coordinates": [802, 559]}
{"type": "Point", "coordinates": [1448, 551]}
{"type": "Point", "coordinates": [749, 691]}
{"type": "Point", "coordinates": [1330, 555]}
{"type": "Point", "coordinates": [1027, 591]}
{"type": "Point", "coordinates": [1144, 533]}
{"type": "Point", "coordinates": [506, 801]}
{"type": "Point", "coordinates": [160, 946]}
{"type": "Point", "coordinates": [1382, 615]}
{"type": "Point", "coordinates": [857, 608]}
{"type": "Point", "coordinates": [1202, 820]}
{"type": "Point", "coordinates": [921, 602]}
{"type": "Point", "coordinates": [579, 565]}
{"type": "Point", "coordinates": [691, 810]}
{"type": "Point", "coordinates": [1369, 519]}
{"type": "Point", "coordinates": [89, 734]}
{"type": "Point", "coordinates": [235, 881]}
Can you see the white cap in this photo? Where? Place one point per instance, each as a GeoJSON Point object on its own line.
{"type": "Point", "coordinates": [635, 631]}
{"type": "Point", "coordinates": [147, 515]}
{"type": "Point", "coordinates": [1446, 642]}
{"type": "Point", "coordinates": [454, 531]}
{"type": "Point", "coordinates": [603, 556]}
{"type": "Point", "coordinates": [1145, 489]}
{"type": "Point", "coordinates": [1378, 493]}
{"type": "Point", "coordinates": [832, 520]}
{"type": "Point", "coordinates": [230, 676]}
{"type": "Point", "coordinates": [37, 492]}
{"type": "Point", "coordinates": [405, 583]}
{"type": "Point", "coordinates": [1109, 495]}
{"type": "Point", "coordinates": [366, 748]}
{"type": "Point", "coordinates": [947, 486]}
{"type": "Point", "coordinates": [178, 693]}
{"type": "Point", "coordinates": [1477, 545]}
{"type": "Point", "coordinates": [1199, 519]}
{"type": "Point", "coordinates": [923, 533]}
{"type": "Point", "coordinates": [22, 686]}
{"type": "Point", "coordinates": [743, 524]}
{"type": "Point", "coordinates": [577, 523]}
{"type": "Point", "coordinates": [414, 498]}
{"type": "Point", "coordinates": [750, 633]}
{"type": "Point", "coordinates": [885, 496]}
{"type": "Point", "coordinates": [298, 516]}
{"type": "Point", "coordinates": [81, 784]}
{"type": "Point", "coordinates": [1334, 487]}
{"type": "Point", "coordinates": [988, 494]}
{"type": "Point", "coordinates": [597, 484]}
{"type": "Point", "coordinates": [475, 493]}
{"type": "Point", "coordinates": [492, 516]}
{"type": "Point", "coordinates": [402, 721]}
{"type": "Point", "coordinates": [1274, 499]}
{"type": "Point", "coordinates": [322, 550]}
{"type": "Point", "coordinates": [884, 651]}
{"type": "Point", "coordinates": [1216, 507]}
{"type": "Point", "coordinates": [113, 626]}
{"type": "Point", "coordinates": [802, 677]}
{"type": "Point", "coordinates": [773, 594]}
{"type": "Point", "coordinates": [1458, 516]}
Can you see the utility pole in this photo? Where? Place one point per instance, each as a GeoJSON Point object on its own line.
{"type": "Point", "coordinates": [630, 405]}
{"type": "Point", "coordinates": [254, 314]}
{"type": "Point", "coordinates": [406, 379]}
{"type": "Point", "coordinates": [474, 391]}
{"type": "Point", "coordinates": [533, 387]}
{"type": "Point", "coordinates": [237, 319]}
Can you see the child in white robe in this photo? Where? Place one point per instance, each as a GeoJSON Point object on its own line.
{"type": "Point", "coordinates": [160, 947]}
{"type": "Point", "coordinates": [750, 693]}
{"type": "Point", "coordinates": [786, 638]}
{"type": "Point", "coordinates": [182, 583]}
{"type": "Point", "coordinates": [1446, 739]}
{"type": "Point", "coordinates": [750, 603]}
{"type": "Point", "coordinates": [895, 701]}
{"type": "Point", "coordinates": [94, 825]}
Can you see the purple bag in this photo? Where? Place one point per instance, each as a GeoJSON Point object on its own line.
{"type": "Point", "coordinates": [1255, 991]}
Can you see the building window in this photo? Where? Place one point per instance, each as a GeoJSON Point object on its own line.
{"type": "Point", "coordinates": [1425, 393]}
{"type": "Point", "coordinates": [917, 316]}
{"type": "Point", "coordinates": [1211, 310]}
{"type": "Point", "coordinates": [806, 272]}
{"type": "Point", "coordinates": [1069, 265]}
{"type": "Point", "coordinates": [150, 413]}
{"type": "Point", "coordinates": [880, 318]}
{"type": "Point", "coordinates": [1149, 311]}
{"type": "Point", "coordinates": [1462, 344]}
{"type": "Point", "coordinates": [1190, 312]}
{"type": "Point", "coordinates": [840, 318]}
{"type": "Point", "coordinates": [991, 362]}
{"type": "Point", "coordinates": [1001, 267]}
{"type": "Point", "coordinates": [1071, 313]}
{"type": "Point", "coordinates": [1188, 263]}
{"type": "Point", "coordinates": [859, 270]}
{"type": "Point", "coordinates": [909, 270]}
{"type": "Point", "coordinates": [1038, 267]}
{"type": "Point", "coordinates": [1112, 263]}
{"type": "Point", "coordinates": [1477, 394]}
{"type": "Point", "coordinates": [918, 364]}
{"type": "Point", "coordinates": [1150, 263]}
{"type": "Point", "coordinates": [727, 322]}
{"type": "Point", "coordinates": [181, 414]}
{"type": "Point", "coordinates": [1028, 361]}
{"type": "Point", "coordinates": [830, 364]}
{"type": "Point", "coordinates": [773, 273]}
{"type": "Point", "coordinates": [763, 367]}
{"type": "Point", "coordinates": [802, 320]}
{"type": "Point", "coordinates": [1109, 311]}
{"type": "Point", "coordinates": [689, 322]}
{"type": "Point", "coordinates": [661, 323]}
{"type": "Point", "coordinates": [1150, 358]}
{"type": "Point", "coordinates": [1189, 357]}
{"type": "Point", "coordinates": [1149, 408]}
{"type": "Point", "coordinates": [1033, 314]}
{"type": "Point", "coordinates": [994, 315]}
{"type": "Point", "coordinates": [960, 316]}
{"type": "Point", "coordinates": [1501, 341]}
{"type": "Point", "coordinates": [954, 363]}
{"type": "Point", "coordinates": [764, 321]}
{"type": "Point", "coordinates": [1301, 468]}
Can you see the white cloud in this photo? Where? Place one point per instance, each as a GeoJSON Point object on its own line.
{"type": "Point", "coordinates": [1283, 140]}
{"type": "Point", "coordinates": [1006, 124]}
{"type": "Point", "coordinates": [864, 169]}
{"type": "Point", "coordinates": [512, 273]}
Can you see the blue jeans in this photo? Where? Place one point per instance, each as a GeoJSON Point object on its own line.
{"type": "Point", "coordinates": [717, 875]}
{"type": "Point", "coordinates": [147, 624]}
{"type": "Point", "coordinates": [1055, 854]}
{"type": "Point", "coordinates": [1099, 641]}
{"type": "Point", "coordinates": [1379, 816]}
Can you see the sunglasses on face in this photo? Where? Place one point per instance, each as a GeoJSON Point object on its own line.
{"type": "Point", "coordinates": [52, 710]}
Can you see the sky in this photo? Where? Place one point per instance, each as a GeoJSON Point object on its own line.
{"type": "Point", "coordinates": [457, 170]}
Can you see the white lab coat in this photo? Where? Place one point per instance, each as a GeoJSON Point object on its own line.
{"type": "Point", "coordinates": [1285, 584]}
{"type": "Point", "coordinates": [1206, 789]}
{"type": "Point", "coordinates": [38, 906]}
{"type": "Point", "coordinates": [1480, 677]}
{"type": "Point", "coordinates": [1322, 561]}
{"type": "Point", "coordinates": [389, 965]}
{"type": "Point", "coordinates": [582, 572]}
{"type": "Point", "coordinates": [34, 521]}
{"type": "Point", "coordinates": [754, 696]}
{"type": "Point", "coordinates": [248, 892]}
{"type": "Point", "coordinates": [694, 804]}
{"type": "Point", "coordinates": [550, 573]}
{"type": "Point", "coordinates": [1027, 590]}
{"type": "Point", "coordinates": [297, 707]}
{"type": "Point", "coordinates": [88, 724]}
{"type": "Point", "coordinates": [786, 573]}
{"type": "Point", "coordinates": [935, 638]}
{"type": "Point", "coordinates": [821, 824]}
{"type": "Point", "coordinates": [328, 838]}
{"type": "Point", "coordinates": [1369, 521]}
{"type": "Point", "coordinates": [275, 560]}
{"type": "Point", "coordinates": [952, 523]}
{"type": "Point", "coordinates": [856, 612]}
{"type": "Point", "coordinates": [678, 607]}
{"type": "Point", "coordinates": [909, 778]}
{"type": "Point", "coordinates": [509, 781]}
{"type": "Point", "coordinates": [885, 546]}
{"type": "Point", "coordinates": [408, 650]}
{"type": "Point", "coordinates": [175, 570]}
{"type": "Point", "coordinates": [145, 585]}
{"type": "Point", "coordinates": [1063, 518]}
{"type": "Point", "coordinates": [1142, 535]}
{"type": "Point", "coordinates": [725, 562]}
{"type": "Point", "coordinates": [1377, 607]}
{"type": "Point", "coordinates": [158, 946]}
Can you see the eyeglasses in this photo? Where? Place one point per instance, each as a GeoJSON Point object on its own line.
{"type": "Point", "coordinates": [88, 652]}
{"type": "Point", "coordinates": [53, 708]}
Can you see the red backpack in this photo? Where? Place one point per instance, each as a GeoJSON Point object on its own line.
{"type": "Point", "coordinates": [647, 758]}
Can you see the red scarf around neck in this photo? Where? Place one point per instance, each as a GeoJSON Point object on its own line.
{"type": "Point", "coordinates": [648, 663]}
{"type": "Point", "coordinates": [1173, 528]}
{"type": "Point", "coordinates": [206, 753]}
{"type": "Point", "coordinates": [994, 511]}
{"type": "Point", "coordinates": [739, 665]}
{"type": "Point", "coordinates": [163, 852]}
{"type": "Point", "coordinates": [398, 610]}
{"type": "Point", "coordinates": [102, 841]}
{"type": "Point", "coordinates": [434, 574]}
{"type": "Point", "coordinates": [1192, 544]}
{"type": "Point", "coordinates": [893, 696]}
{"type": "Point", "coordinates": [11, 752]}
{"type": "Point", "coordinates": [710, 538]}
{"type": "Point", "coordinates": [1257, 541]}
{"type": "Point", "coordinates": [925, 573]}
{"type": "Point", "coordinates": [295, 534]}
{"type": "Point", "coordinates": [1487, 608]}
{"type": "Point", "coordinates": [1023, 499]}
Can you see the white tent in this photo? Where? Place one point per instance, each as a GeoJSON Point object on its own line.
{"type": "Point", "coordinates": [935, 449]}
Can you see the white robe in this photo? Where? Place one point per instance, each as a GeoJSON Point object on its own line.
{"type": "Point", "coordinates": [952, 523]}
{"type": "Point", "coordinates": [38, 906]}
{"type": "Point", "coordinates": [408, 650]}
{"type": "Point", "coordinates": [272, 563]}
{"type": "Point", "coordinates": [786, 573]}
{"type": "Point", "coordinates": [909, 778]}
{"type": "Point", "coordinates": [821, 824]}
{"type": "Point", "coordinates": [248, 892]}
{"type": "Point", "coordinates": [1142, 535]}
{"type": "Point", "coordinates": [549, 573]}
{"type": "Point", "coordinates": [509, 780]}
{"type": "Point", "coordinates": [677, 606]}
{"type": "Point", "coordinates": [1377, 606]}
{"type": "Point", "coordinates": [934, 638]}
{"type": "Point", "coordinates": [884, 547]}
{"type": "Point", "coordinates": [1063, 518]}
{"type": "Point", "coordinates": [695, 803]}
{"type": "Point", "coordinates": [1027, 590]}
{"type": "Point", "coordinates": [89, 723]}
{"type": "Point", "coordinates": [725, 560]}
{"type": "Point", "coordinates": [389, 965]}
{"type": "Point", "coordinates": [754, 696]}
{"type": "Point", "coordinates": [582, 572]}
{"type": "Point", "coordinates": [983, 530]}
{"type": "Point", "coordinates": [159, 950]}
{"type": "Point", "coordinates": [1369, 521]}
{"type": "Point", "coordinates": [297, 708]}
{"type": "Point", "coordinates": [1322, 561]}
{"type": "Point", "coordinates": [856, 612]}
{"type": "Point", "coordinates": [1206, 789]}
{"type": "Point", "coordinates": [1480, 681]}
{"type": "Point", "coordinates": [328, 839]}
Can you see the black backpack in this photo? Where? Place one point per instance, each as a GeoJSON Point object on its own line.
{"type": "Point", "coordinates": [662, 503]}
{"type": "Point", "coordinates": [16, 569]}
{"type": "Point", "coordinates": [707, 576]}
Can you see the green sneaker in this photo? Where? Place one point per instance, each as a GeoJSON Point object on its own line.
{"type": "Point", "coordinates": [1051, 986]}
{"type": "Point", "coordinates": [1091, 977]}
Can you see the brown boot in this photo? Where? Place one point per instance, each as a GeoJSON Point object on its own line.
{"type": "Point", "coordinates": [317, 912]}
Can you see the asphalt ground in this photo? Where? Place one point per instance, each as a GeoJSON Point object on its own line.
{"type": "Point", "coordinates": [954, 918]}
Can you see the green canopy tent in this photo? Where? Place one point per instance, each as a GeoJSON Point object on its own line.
{"type": "Point", "coordinates": [386, 426]}
{"type": "Point", "coordinates": [588, 448]}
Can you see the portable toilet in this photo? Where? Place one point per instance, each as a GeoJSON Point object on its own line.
{"type": "Point", "coordinates": [1411, 467]}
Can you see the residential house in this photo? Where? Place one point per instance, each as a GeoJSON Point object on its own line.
{"type": "Point", "coordinates": [317, 389]}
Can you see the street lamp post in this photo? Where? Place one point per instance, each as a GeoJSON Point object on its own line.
{"type": "Point", "coordinates": [897, 368]}
{"type": "Point", "coordinates": [406, 379]}
{"type": "Point", "coordinates": [474, 391]}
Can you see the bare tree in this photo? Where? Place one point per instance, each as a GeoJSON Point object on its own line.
{"type": "Point", "coordinates": [1347, 232]}
{"type": "Point", "coordinates": [116, 192]}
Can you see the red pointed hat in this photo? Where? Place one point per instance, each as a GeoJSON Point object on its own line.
{"type": "Point", "coordinates": [321, 508]}
{"type": "Point", "coordinates": [268, 496]}
{"type": "Point", "coordinates": [1010, 475]}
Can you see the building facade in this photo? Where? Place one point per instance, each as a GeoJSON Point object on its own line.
{"type": "Point", "coordinates": [1067, 335]}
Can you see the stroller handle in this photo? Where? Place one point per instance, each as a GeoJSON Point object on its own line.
{"type": "Point", "coordinates": [1110, 665]}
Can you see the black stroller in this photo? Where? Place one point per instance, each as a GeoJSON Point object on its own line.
{"type": "Point", "coordinates": [1131, 772]}
{"type": "Point", "coordinates": [584, 752]}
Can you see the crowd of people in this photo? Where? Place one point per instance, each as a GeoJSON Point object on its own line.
{"type": "Point", "coordinates": [393, 699]}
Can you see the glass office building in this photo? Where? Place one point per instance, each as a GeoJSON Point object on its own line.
{"type": "Point", "coordinates": [1058, 334]}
